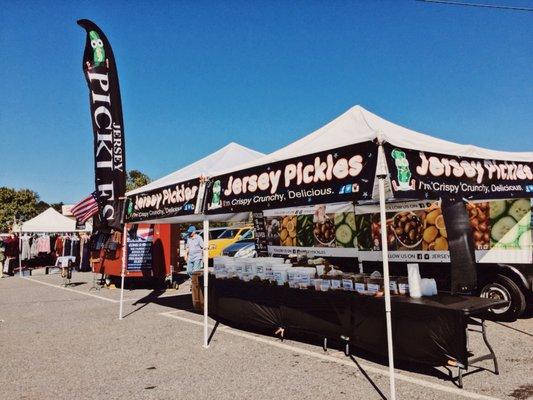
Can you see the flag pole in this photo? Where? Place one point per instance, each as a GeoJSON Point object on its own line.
{"type": "Point", "coordinates": [123, 270]}
{"type": "Point", "coordinates": [124, 258]}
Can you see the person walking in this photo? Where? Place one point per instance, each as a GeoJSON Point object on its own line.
{"type": "Point", "coordinates": [194, 251]}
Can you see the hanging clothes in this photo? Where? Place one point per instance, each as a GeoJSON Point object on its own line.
{"type": "Point", "coordinates": [25, 251]}
{"type": "Point", "coordinates": [52, 243]}
{"type": "Point", "coordinates": [11, 247]}
{"type": "Point", "coordinates": [34, 248]}
{"type": "Point", "coordinates": [58, 246]}
{"type": "Point", "coordinates": [67, 246]}
{"type": "Point", "coordinates": [85, 264]}
{"type": "Point", "coordinates": [43, 244]}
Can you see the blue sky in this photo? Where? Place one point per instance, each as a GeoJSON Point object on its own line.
{"type": "Point", "coordinates": [196, 75]}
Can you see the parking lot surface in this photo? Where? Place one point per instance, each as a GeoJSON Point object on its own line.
{"type": "Point", "coordinates": [66, 343]}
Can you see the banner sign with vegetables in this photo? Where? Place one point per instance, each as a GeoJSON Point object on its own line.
{"type": "Point", "coordinates": [502, 230]}
{"type": "Point", "coordinates": [417, 174]}
{"type": "Point", "coordinates": [322, 230]}
{"type": "Point", "coordinates": [164, 202]}
{"type": "Point", "coordinates": [342, 174]}
{"type": "Point", "coordinates": [416, 232]}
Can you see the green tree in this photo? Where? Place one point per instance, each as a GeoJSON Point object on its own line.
{"type": "Point", "coordinates": [135, 179]}
{"type": "Point", "coordinates": [22, 204]}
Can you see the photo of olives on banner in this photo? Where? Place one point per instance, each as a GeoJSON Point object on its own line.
{"type": "Point", "coordinates": [478, 214]}
{"type": "Point", "coordinates": [408, 229]}
{"type": "Point", "coordinates": [324, 232]}
{"type": "Point", "coordinates": [287, 235]}
{"type": "Point", "coordinates": [435, 236]}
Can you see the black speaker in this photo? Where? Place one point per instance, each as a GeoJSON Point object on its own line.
{"type": "Point", "coordinates": [461, 246]}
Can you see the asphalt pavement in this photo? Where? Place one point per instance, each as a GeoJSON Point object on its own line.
{"type": "Point", "coordinates": [66, 343]}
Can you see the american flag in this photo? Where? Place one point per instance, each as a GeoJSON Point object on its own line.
{"type": "Point", "coordinates": [86, 208]}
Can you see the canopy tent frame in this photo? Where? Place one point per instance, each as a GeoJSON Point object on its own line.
{"type": "Point", "coordinates": [355, 127]}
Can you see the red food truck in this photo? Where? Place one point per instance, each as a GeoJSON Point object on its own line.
{"type": "Point", "coordinates": [152, 255]}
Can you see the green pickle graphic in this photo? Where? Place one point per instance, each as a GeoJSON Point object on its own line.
{"type": "Point", "coordinates": [217, 188]}
{"type": "Point", "coordinates": [98, 48]}
{"type": "Point", "coordinates": [402, 167]}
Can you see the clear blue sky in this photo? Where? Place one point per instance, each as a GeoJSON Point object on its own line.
{"type": "Point", "coordinates": [196, 75]}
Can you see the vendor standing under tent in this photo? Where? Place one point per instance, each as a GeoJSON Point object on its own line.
{"type": "Point", "coordinates": [194, 251]}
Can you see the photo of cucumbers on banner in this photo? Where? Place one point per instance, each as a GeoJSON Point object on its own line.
{"type": "Point", "coordinates": [502, 230]}
{"type": "Point", "coordinates": [322, 230]}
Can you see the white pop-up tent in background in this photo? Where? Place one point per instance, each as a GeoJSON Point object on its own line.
{"type": "Point", "coordinates": [50, 221]}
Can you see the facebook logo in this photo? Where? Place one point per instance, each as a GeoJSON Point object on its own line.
{"type": "Point", "coordinates": [347, 189]}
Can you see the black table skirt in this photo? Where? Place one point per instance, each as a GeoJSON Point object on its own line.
{"type": "Point", "coordinates": [428, 330]}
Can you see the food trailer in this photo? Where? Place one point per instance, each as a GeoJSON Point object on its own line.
{"type": "Point", "coordinates": [152, 255]}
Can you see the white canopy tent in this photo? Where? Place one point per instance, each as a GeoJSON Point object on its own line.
{"type": "Point", "coordinates": [229, 156]}
{"type": "Point", "coordinates": [358, 125]}
{"type": "Point", "coordinates": [51, 221]}
{"type": "Point", "coordinates": [226, 157]}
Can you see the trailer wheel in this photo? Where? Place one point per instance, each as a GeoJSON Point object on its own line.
{"type": "Point", "coordinates": [504, 288]}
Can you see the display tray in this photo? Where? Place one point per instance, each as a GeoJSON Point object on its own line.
{"type": "Point", "coordinates": [430, 330]}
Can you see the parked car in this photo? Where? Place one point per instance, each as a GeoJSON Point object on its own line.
{"type": "Point", "coordinates": [229, 236]}
{"type": "Point", "coordinates": [243, 248]}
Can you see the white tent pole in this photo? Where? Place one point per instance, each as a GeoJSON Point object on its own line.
{"type": "Point", "coordinates": [123, 270]}
{"type": "Point", "coordinates": [382, 175]}
{"type": "Point", "coordinates": [206, 277]}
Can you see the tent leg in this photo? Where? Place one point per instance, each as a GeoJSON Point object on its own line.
{"type": "Point", "coordinates": [123, 270]}
{"type": "Point", "coordinates": [206, 278]}
{"type": "Point", "coordinates": [385, 254]}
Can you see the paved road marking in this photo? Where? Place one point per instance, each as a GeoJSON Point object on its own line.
{"type": "Point", "coordinates": [55, 285]}
{"type": "Point", "coordinates": [366, 367]}
{"type": "Point", "coordinates": [270, 342]}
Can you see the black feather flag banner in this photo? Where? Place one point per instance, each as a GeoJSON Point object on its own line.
{"type": "Point", "coordinates": [108, 128]}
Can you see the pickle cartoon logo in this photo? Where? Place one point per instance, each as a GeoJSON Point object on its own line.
{"type": "Point", "coordinates": [130, 207]}
{"type": "Point", "coordinates": [215, 200]}
{"type": "Point", "coordinates": [403, 172]}
{"type": "Point", "coordinates": [98, 48]}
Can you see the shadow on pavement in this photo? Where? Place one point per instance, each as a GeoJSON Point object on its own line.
{"type": "Point", "coordinates": [514, 329]}
{"type": "Point", "coordinates": [177, 302]}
